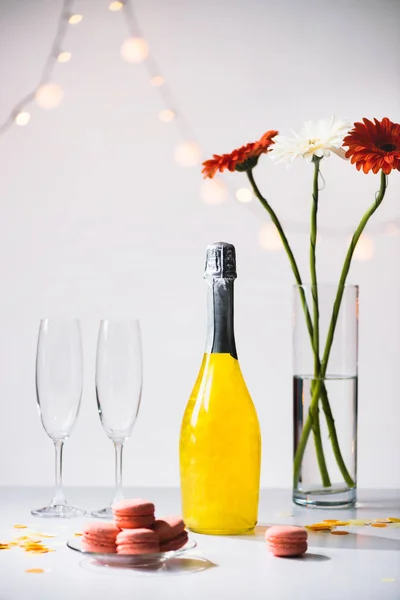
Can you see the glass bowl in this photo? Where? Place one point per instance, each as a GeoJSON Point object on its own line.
{"type": "Point", "coordinates": [130, 560]}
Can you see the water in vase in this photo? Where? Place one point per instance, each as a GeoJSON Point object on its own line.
{"type": "Point", "coordinates": [342, 394]}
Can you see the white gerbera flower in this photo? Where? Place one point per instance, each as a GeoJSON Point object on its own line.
{"type": "Point", "coordinates": [315, 139]}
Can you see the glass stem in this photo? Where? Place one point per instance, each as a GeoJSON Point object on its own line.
{"type": "Point", "coordinates": [58, 497]}
{"type": "Point", "coordinates": [119, 494]}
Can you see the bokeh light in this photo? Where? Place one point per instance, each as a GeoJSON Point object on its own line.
{"type": "Point", "coordinates": [167, 115]}
{"type": "Point", "coordinates": [49, 95]}
{"type": "Point", "coordinates": [135, 50]}
{"type": "Point", "coordinates": [365, 248]}
{"type": "Point", "coordinates": [269, 239]}
{"type": "Point", "coordinates": [64, 57]}
{"type": "Point", "coordinates": [213, 192]}
{"type": "Point", "coordinates": [187, 154]}
{"type": "Point", "coordinates": [157, 80]}
{"type": "Point", "coordinates": [392, 229]}
{"type": "Point", "coordinates": [244, 195]}
{"type": "Point", "coordinates": [114, 6]}
{"type": "Point", "coordinates": [75, 19]}
{"type": "Point", "coordinates": [22, 118]}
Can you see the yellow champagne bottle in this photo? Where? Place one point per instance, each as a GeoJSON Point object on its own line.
{"type": "Point", "coordinates": [220, 443]}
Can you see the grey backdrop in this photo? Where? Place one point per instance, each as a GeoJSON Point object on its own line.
{"type": "Point", "coordinates": [98, 220]}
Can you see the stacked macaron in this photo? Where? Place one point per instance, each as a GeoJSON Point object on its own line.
{"type": "Point", "coordinates": [137, 541]}
{"type": "Point", "coordinates": [171, 533]}
{"type": "Point", "coordinates": [286, 540]}
{"type": "Point", "coordinates": [133, 514]}
{"type": "Point", "coordinates": [100, 537]}
{"type": "Point", "coordinates": [135, 531]}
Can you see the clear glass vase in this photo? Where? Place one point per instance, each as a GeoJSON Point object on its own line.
{"type": "Point", "coordinates": [325, 372]}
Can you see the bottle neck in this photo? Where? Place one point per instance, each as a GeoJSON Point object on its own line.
{"type": "Point", "coordinates": [220, 330]}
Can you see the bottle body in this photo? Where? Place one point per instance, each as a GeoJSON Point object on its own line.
{"type": "Point", "coordinates": [220, 451]}
{"type": "Point", "coordinates": [220, 443]}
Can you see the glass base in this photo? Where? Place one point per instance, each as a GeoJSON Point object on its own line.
{"type": "Point", "coordinates": [174, 566]}
{"type": "Point", "coordinates": [326, 498]}
{"type": "Point", "coordinates": [222, 531]}
{"type": "Point", "coordinates": [103, 513]}
{"type": "Point", "coordinates": [59, 511]}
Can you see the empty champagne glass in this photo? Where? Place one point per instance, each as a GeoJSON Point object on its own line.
{"type": "Point", "coordinates": [118, 388]}
{"type": "Point", "coordinates": [59, 380]}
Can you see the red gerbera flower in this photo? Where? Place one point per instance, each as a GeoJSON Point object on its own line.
{"type": "Point", "coordinates": [241, 159]}
{"type": "Point", "coordinates": [374, 146]}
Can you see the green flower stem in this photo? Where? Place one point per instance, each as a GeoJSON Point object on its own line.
{"type": "Point", "coordinates": [315, 303]}
{"type": "Point", "coordinates": [328, 346]}
{"type": "Point", "coordinates": [313, 412]}
{"type": "Point", "coordinates": [346, 268]}
{"type": "Point", "coordinates": [288, 249]}
{"type": "Point", "coordinates": [313, 266]}
{"type": "Point", "coordinates": [319, 449]}
{"type": "Point", "coordinates": [320, 392]}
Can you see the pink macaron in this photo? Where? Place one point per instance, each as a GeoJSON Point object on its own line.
{"type": "Point", "coordinates": [100, 536]}
{"type": "Point", "coordinates": [168, 527]}
{"type": "Point", "coordinates": [171, 533]}
{"type": "Point", "coordinates": [133, 514]}
{"type": "Point", "coordinates": [137, 541]}
{"type": "Point", "coordinates": [176, 543]}
{"type": "Point", "coordinates": [286, 540]}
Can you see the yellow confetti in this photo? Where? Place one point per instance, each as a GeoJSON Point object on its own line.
{"type": "Point", "coordinates": [388, 579]}
{"type": "Point", "coordinates": [77, 534]}
{"type": "Point", "coordinates": [341, 523]}
{"type": "Point", "coordinates": [330, 521]}
{"type": "Point", "coordinates": [319, 527]}
{"type": "Point", "coordinates": [47, 535]}
{"type": "Point", "coordinates": [20, 526]}
{"type": "Point", "coordinates": [394, 520]}
{"type": "Point", "coordinates": [31, 544]}
{"type": "Point", "coordinates": [357, 522]}
{"type": "Point", "coordinates": [34, 571]}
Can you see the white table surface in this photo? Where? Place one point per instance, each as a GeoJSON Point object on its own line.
{"type": "Point", "coordinates": [348, 567]}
